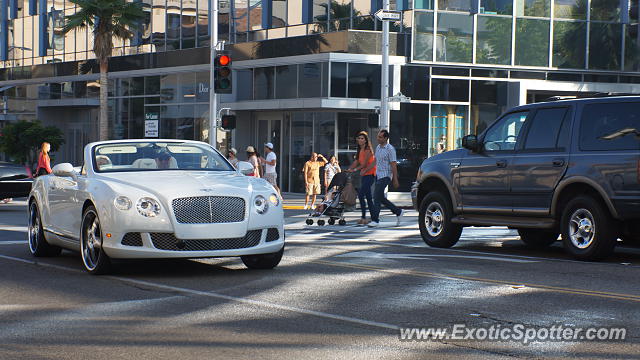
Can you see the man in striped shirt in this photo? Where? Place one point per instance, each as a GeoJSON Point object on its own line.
{"type": "Point", "coordinates": [386, 173]}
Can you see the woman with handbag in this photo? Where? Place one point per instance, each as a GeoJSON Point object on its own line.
{"type": "Point", "coordinates": [44, 161]}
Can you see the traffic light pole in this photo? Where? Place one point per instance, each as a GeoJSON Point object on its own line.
{"type": "Point", "coordinates": [213, 97]}
{"type": "Point", "coordinates": [384, 97]}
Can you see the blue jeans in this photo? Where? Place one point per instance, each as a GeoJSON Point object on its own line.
{"type": "Point", "coordinates": [365, 193]}
{"type": "Point", "coordinates": [379, 199]}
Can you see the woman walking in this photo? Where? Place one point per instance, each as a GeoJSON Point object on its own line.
{"type": "Point", "coordinates": [365, 162]}
{"type": "Point", "coordinates": [253, 159]}
{"type": "Point", "coordinates": [44, 161]}
{"type": "Point", "coordinates": [232, 157]}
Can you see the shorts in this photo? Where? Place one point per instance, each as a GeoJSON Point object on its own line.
{"type": "Point", "coordinates": [271, 178]}
{"type": "Point", "coordinates": [313, 189]}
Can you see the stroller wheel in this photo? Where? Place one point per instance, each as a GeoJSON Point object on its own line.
{"type": "Point", "coordinates": [342, 222]}
{"type": "Point", "coordinates": [309, 221]}
{"type": "Point", "coordinates": [331, 221]}
{"type": "Point", "coordinates": [321, 222]}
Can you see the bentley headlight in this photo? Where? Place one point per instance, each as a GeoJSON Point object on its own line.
{"type": "Point", "coordinates": [261, 204]}
{"type": "Point", "coordinates": [122, 203]}
{"type": "Point", "coordinates": [274, 199]}
{"type": "Point", "coordinates": [148, 207]}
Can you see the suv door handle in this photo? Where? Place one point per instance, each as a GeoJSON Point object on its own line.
{"type": "Point", "coordinates": [501, 163]}
{"type": "Point", "coordinates": [558, 162]}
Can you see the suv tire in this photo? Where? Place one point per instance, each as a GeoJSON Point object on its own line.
{"type": "Point", "coordinates": [434, 219]}
{"type": "Point", "coordinates": [588, 231]}
{"type": "Point", "coordinates": [536, 238]}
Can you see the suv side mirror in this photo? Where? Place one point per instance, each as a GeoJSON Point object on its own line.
{"type": "Point", "coordinates": [470, 142]}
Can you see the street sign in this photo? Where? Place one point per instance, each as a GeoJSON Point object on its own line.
{"type": "Point", "coordinates": [388, 15]}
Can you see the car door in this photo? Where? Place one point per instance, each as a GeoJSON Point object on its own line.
{"type": "Point", "coordinates": [63, 205]}
{"type": "Point", "coordinates": [541, 160]}
{"type": "Point", "coordinates": [484, 175]}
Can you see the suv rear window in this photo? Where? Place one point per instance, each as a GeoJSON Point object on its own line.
{"type": "Point", "coordinates": [610, 126]}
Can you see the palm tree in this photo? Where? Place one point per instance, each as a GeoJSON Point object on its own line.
{"type": "Point", "coordinates": [109, 19]}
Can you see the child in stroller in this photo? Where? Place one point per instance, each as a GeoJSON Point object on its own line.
{"type": "Point", "coordinates": [332, 205]}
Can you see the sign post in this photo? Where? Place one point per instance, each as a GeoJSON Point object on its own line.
{"type": "Point", "coordinates": [213, 98]}
{"type": "Point", "coordinates": [385, 15]}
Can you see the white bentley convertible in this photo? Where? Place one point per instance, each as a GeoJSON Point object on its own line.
{"type": "Point", "coordinates": [140, 199]}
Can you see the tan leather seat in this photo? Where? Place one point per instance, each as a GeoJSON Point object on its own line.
{"type": "Point", "coordinates": [145, 163]}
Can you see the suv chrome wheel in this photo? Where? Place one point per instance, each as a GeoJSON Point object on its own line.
{"type": "Point", "coordinates": [582, 229]}
{"type": "Point", "coordinates": [434, 219]}
{"type": "Point", "coordinates": [435, 216]}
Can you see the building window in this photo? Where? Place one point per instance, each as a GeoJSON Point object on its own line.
{"type": "Point", "coordinates": [569, 39]}
{"type": "Point", "coordinates": [364, 81]}
{"type": "Point", "coordinates": [605, 10]}
{"type": "Point", "coordinates": [570, 9]}
{"type": "Point", "coordinates": [455, 38]}
{"type": "Point", "coordinates": [532, 42]}
{"type": "Point", "coordinates": [605, 39]}
{"type": "Point", "coordinates": [494, 40]}
{"type": "Point", "coordinates": [338, 79]}
{"type": "Point", "coordinates": [423, 39]}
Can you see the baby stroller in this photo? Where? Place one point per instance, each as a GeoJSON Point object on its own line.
{"type": "Point", "coordinates": [333, 205]}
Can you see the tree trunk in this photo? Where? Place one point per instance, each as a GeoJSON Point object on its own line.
{"type": "Point", "coordinates": [103, 120]}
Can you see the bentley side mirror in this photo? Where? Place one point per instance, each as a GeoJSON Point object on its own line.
{"type": "Point", "coordinates": [245, 168]}
{"type": "Point", "coordinates": [64, 170]}
{"type": "Point", "coordinates": [470, 142]}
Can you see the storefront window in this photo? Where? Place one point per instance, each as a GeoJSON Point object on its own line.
{"type": "Point", "coordinates": [263, 82]}
{"type": "Point", "coordinates": [310, 80]}
{"type": "Point", "coordinates": [455, 38]}
{"type": "Point", "coordinates": [570, 9]}
{"type": "Point", "coordinates": [605, 39]}
{"type": "Point", "coordinates": [364, 81]}
{"type": "Point", "coordinates": [569, 44]}
{"type": "Point", "coordinates": [605, 10]}
{"type": "Point", "coordinates": [632, 49]}
{"type": "Point", "coordinates": [532, 42]}
{"type": "Point", "coordinates": [409, 135]}
{"type": "Point", "coordinates": [454, 5]}
{"type": "Point", "coordinates": [502, 7]}
{"type": "Point", "coordinates": [449, 90]}
{"type": "Point", "coordinates": [423, 39]}
{"type": "Point", "coordinates": [494, 40]}
{"type": "Point", "coordinates": [489, 99]}
{"type": "Point", "coordinates": [301, 147]}
{"type": "Point", "coordinates": [447, 125]}
{"type": "Point", "coordinates": [286, 80]}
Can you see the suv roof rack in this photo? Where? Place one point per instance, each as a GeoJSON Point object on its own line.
{"type": "Point", "coordinates": [588, 95]}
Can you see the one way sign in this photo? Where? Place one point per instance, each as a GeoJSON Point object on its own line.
{"type": "Point", "coordinates": [388, 15]}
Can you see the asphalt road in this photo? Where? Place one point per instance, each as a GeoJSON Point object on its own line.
{"type": "Point", "coordinates": [340, 292]}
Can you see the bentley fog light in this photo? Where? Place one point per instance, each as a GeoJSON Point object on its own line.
{"type": "Point", "coordinates": [274, 199]}
{"type": "Point", "coordinates": [148, 207]}
{"type": "Point", "coordinates": [122, 203]}
{"type": "Point", "coordinates": [261, 204]}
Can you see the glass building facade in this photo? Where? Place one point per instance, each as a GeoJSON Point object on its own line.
{"type": "Point", "coordinates": [307, 72]}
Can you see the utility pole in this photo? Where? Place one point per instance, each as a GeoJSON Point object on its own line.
{"type": "Point", "coordinates": [384, 101]}
{"type": "Point", "coordinates": [213, 97]}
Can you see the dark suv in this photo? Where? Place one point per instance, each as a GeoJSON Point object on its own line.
{"type": "Point", "coordinates": [569, 167]}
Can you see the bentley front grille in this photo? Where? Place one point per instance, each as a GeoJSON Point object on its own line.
{"type": "Point", "coordinates": [272, 234]}
{"type": "Point", "coordinates": [209, 209]}
{"type": "Point", "coordinates": [168, 241]}
{"type": "Point", "coordinates": [132, 239]}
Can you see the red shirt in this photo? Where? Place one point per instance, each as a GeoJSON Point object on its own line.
{"type": "Point", "coordinates": [362, 159]}
{"type": "Point", "coordinates": [44, 162]}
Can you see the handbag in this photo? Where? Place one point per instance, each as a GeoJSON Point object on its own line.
{"type": "Point", "coordinates": [349, 194]}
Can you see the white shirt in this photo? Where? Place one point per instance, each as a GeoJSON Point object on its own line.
{"type": "Point", "coordinates": [270, 169]}
{"type": "Point", "coordinates": [385, 155]}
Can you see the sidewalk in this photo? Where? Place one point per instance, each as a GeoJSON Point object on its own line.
{"type": "Point", "coordinates": [295, 201]}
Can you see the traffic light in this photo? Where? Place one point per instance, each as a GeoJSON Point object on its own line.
{"type": "Point", "coordinates": [228, 122]}
{"type": "Point", "coordinates": [222, 72]}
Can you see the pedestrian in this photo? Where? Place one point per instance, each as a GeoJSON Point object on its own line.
{"type": "Point", "coordinates": [269, 162]}
{"type": "Point", "coordinates": [386, 173]}
{"type": "Point", "coordinates": [442, 144]}
{"type": "Point", "coordinates": [232, 156]}
{"type": "Point", "coordinates": [311, 172]}
{"type": "Point", "coordinates": [44, 161]}
{"type": "Point", "coordinates": [365, 163]}
{"type": "Point", "coordinates": [330, 170]}
{"type": "Point", "coordinates": [252, 158]}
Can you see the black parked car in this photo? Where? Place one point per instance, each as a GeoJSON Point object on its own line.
{"type": "Point", "coordinates": [569, 167]}
{"type": "Point", "coordinates": [15, 180]}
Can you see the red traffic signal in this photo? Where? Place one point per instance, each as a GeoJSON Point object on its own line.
{"type": "Point", "coordinates": [222, 73]}
{"type": "Point", "coordinates": [228, 122]}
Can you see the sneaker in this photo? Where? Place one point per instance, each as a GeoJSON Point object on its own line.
{"type": "Point", "coordinates": [306, 207]}
{"type": "Point", "coordinates": [399, 217]}
{"type": "Point", "coordinates": [373, 224]}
